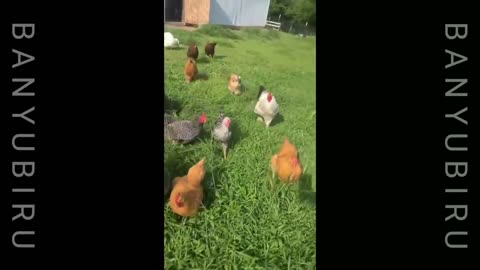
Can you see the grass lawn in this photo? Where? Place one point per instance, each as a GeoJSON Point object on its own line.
{"type": "Point", "coordinates": [246, 222]}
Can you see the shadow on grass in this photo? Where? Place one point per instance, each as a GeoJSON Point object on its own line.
{"type": "Point", "coordinates": [243, 88]}
{"type": "Point", "coordinates": [237, 135]}
{"type": "Point", "coordinates": [219, 56]}
{"type": "Point", "coordinates": [210, 185]}
{"type": "Point", "coordinates": [203, 76]}
{"type": "Point", "coordinates": [203, 60]}
{"type": "Point", "coordinates": [171, 106]}
{"type": "Point", "coordinates": [277, 120]}
{"type": "Point", "coordinates": [173, 167]}
{"type": "Point", "coordinates": [175, 48]}
{"type": "Point", "coordinates": [305, 191]}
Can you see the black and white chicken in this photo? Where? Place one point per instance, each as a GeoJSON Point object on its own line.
{"type": "Point", "coordinates": [222, 133]}
{"type": "Point", "coordinates": [182, 131]}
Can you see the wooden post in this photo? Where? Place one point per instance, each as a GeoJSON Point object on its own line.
{"type": "Point", "coordinates": [183, 12]}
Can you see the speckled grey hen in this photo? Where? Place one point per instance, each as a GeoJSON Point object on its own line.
{"type": "Point", "coordinates": [167, 119]}
{"type": "Point", "coordinates": [222, 133]}
{"type": "Point", "coordinates": [183, 131]}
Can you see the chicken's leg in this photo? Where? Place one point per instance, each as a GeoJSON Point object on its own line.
{"type": "Point", "coordinates": [273, 165]}
{"type": "Point", "coordinates": [268, 121]}
{"type": "Point", "coordinates": [224, 148]}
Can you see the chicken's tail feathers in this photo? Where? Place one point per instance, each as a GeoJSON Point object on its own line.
{"type": "Point", "coordinates": [260, 91]}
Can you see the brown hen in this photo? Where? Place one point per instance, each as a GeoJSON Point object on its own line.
{"type": "Point", "coordinates": [190, 71]}
{"type": "Point", "coordinates": [187, 193]}
{"type": "Point", "coordinates": [210, 49]}
{"type": "Point", "coordinates": [286, 164]}
{"type": "Point", "coordinates": [193, 51]}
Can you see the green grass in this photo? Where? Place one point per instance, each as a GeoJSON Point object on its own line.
{"type": "Point", "coordinates": [246, 222]}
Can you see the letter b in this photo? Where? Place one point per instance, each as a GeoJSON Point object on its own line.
{"type": "Point", "coordinates": [456, 27]}
{"type": "Point", "coordinates": [23, 27]}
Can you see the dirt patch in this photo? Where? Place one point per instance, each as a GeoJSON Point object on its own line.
{"type": "Point", "coordinates": [179, 25]}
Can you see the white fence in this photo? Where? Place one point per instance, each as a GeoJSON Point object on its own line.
{"type": "Point", "coordinates": [274, 25]}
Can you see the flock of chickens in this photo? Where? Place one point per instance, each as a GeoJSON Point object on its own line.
{"type": "Point", "coordinates": [186, 194]}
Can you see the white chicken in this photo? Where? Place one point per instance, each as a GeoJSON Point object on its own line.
{"type": "Point", "coordinates": [267, 107]}
{"type": "Point", "coordinates": [169, 41]}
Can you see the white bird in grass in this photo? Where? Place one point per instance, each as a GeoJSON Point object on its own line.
{"type": "Point", "coordinates": [169, 41]}
{"type": "Point", "coordinates": [266, 107]}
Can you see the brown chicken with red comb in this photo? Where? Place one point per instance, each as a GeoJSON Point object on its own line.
{"type": "Point", "coordinates": [187, 193]}
{"type": "Point", "coordinates": [286, 164]}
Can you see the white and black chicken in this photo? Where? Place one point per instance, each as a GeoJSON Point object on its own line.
{"type": "Point", "coordinates": [222, 133]}
{"type": "Point", "coordinates": [266, 107]}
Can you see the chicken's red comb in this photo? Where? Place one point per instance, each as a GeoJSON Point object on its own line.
{"type": "Point", "coordinates": [294, 161]}
{"type": "Point", "coordinates": [178, 199]}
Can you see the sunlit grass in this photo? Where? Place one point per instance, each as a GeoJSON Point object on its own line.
{"type": "Point", "coordinates": [247, 223]}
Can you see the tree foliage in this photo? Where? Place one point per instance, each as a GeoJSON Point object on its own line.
{"type": "Point", "coordinates": [300, 11]}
